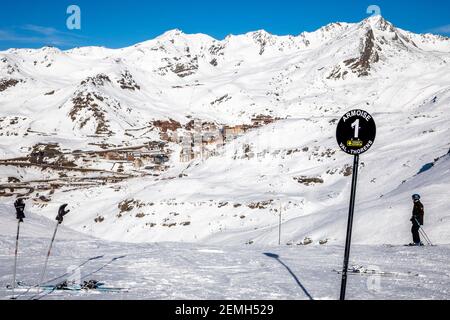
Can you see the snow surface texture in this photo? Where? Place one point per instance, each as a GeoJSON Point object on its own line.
{"type": "Point", "coordinates": [86, 97]}
{"type": "Point", "coordinates": [197, 271]}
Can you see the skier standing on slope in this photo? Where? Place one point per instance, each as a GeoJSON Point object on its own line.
{"type": "Point", "coordinates": [417, 219]}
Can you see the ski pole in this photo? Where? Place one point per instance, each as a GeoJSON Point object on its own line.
{"type": "Point", "coordinates": [41, 279]}
{"type": "Point", "coordinates": [20, 215]}
{"type": "Point", "coordinates": [426, 236]}
{"type": "Point", "coordinates": [59, 218]}
{"type": "Point", "coordinates": [420, 230]}
{"type": "Point", "coordinates": [424, 233]}
{"type": "Point", "coordinates": [15, 260]}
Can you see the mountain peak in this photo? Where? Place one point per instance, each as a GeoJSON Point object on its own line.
{"type": "Point", "coordinates": [171, 34]}
{"type": "Point", "coordinates": [260, 32]}
{"type": "Point", "coordinates": [332, 26]}
{"type": "Point", "coordinates": [379, 23]}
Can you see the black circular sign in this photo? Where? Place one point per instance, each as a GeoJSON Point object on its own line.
{"type": "Point", "coordinates": [356, 132]}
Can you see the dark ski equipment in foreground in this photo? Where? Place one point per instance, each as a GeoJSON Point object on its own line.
{"type": "Point", "coordinates": [20, 215]}
{"type": "Point", "coordinates": [60, 218]}
{"type": "Point", "coordinates": [360, 270]}
{"type": "Point", "coordinates": [90, 285]}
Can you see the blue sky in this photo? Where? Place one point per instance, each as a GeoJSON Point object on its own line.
{"type": "Point", "coordinates": [32, 24]}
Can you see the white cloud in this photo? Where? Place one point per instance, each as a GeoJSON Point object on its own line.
{"type": "Point", "coordinates": [7, 35]}
{"type": "Point", "coordinates": [40, 29]}
{"type": "Point", "coordinates": [441, 29]}
{"type": "Point", "coordinates": [34, 34]}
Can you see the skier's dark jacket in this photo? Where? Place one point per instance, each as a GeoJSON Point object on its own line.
{"type": "Point", "coordinates": [418, 213]}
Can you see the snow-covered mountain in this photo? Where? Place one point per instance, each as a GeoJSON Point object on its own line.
{"type": "Point", "coordinates": [188, 138]}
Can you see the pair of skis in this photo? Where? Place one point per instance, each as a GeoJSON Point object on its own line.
{"type": "Point", "coordinates": [20, 207]}
{"type": "Point", "coordinates": [362, 271]}
{"type": "Point", "coordinates": [91, 285]}
{"type": "Point", "coordinates": [29, 288]}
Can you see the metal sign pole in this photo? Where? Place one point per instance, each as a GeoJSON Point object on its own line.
{"type": "Point", "coordinates": [355, 135]}
{"type": "Point", "coordinates": [349, 227]}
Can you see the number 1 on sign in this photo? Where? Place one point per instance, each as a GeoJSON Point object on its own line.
{"type": "Point", "coordinates": [356, 126]}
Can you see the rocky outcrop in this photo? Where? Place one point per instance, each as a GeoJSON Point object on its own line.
{"type": "Point", "coordinates": [307, 181]}
{"type": "Point", "coordinates": [8, 83]}
{"type": "Point", "coordinates": [97, 81]}
{"type": "Point", "coordinates": [369, 55]}
{"type": "Point", "coordinates": [361, 65]}
{"type": "Point", "coordinates": [181, 66]}
{"type": "Point", "coordinates": [127, 82]}
{"type": "Point", "coordinates": [86, 108]}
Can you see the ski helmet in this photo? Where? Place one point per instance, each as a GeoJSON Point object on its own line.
{"type": "Point", "coordinates": [416, 197]}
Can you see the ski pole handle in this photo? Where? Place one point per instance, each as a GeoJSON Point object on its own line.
{"type": "Point", "coordinates": [20, 207]}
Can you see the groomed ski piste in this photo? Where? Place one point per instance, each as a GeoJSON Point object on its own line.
{"type": "Point", "coordinates": [200, 271]}
{"type": "Point", "coordinates": [207, 228]}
